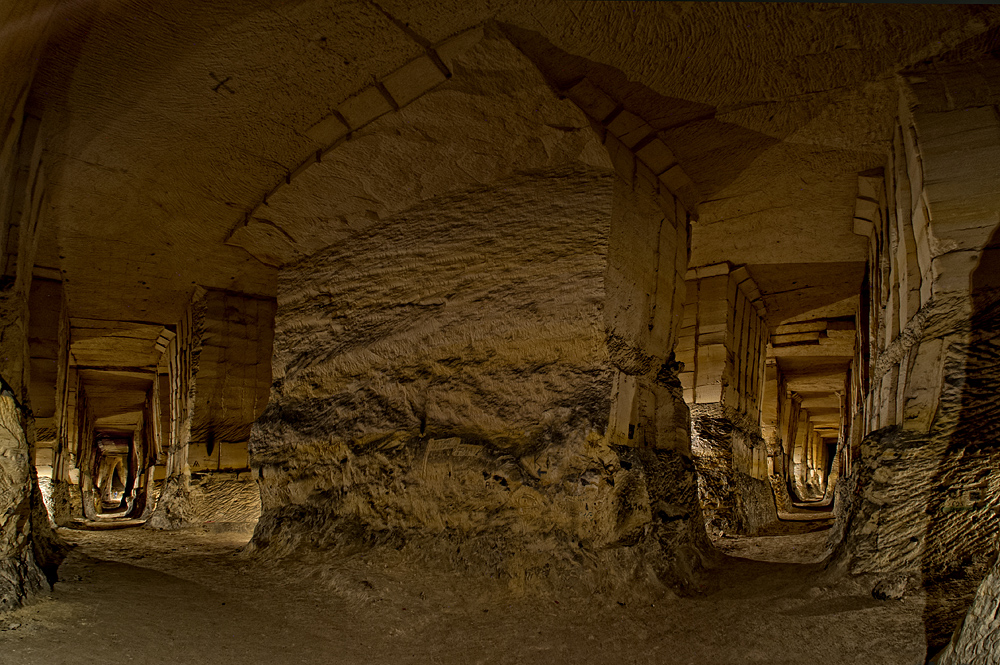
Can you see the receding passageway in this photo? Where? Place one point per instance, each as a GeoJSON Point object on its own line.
{"type": "Point", "coordinates": [489, 331]}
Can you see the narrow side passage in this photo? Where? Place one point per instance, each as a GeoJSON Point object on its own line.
{"type": "Point", "coordinates": [192, 595]}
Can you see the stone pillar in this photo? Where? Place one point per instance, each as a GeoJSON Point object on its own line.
{"type": "Point", "coordinates": [152, 438]}
{"type": "Point", "coordinates": [976, 641]}
{"type": "Point", "coordinates": [642, 316]}
{"type": "Point", "coordinates": [647, 257]}
{"type": "Point", "coordinates": [48, 343]}
{"type": "Point", "coordinates": [63, 463]}
{"type": "Point", "coordinates": [723, 344]}
{"type": "Point", "coordinates": [800, 455]}
{"type": "Point", "coordinates": [20, 575]}
{"type": "Point", "coordinates": [774, 408]}
{"type": "Point", "coordinates": [182, 357]}
{"type": "Point", "coordinates": [220, 372]}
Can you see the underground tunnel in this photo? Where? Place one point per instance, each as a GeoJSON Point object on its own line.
{"type": "Point", "coordinates": [499, 332]}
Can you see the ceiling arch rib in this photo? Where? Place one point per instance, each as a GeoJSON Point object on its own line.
{"type": "Point", "coordinates": [633, 145]}
{"type": "Point", "coordinates": [393, 92]}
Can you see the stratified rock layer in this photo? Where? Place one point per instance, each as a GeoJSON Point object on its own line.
{"type": "Point", "coordinates": [20, 575]}
{"type": "Point", "coordinates": [921, 509]}
{"type": "Point", "coordinates": [224, 500]}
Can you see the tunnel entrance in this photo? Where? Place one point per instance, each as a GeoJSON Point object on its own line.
{"type": "Point", "coordinates": [765, 385]}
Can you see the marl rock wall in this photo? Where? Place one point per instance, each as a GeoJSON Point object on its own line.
{"type": "Point", "coordinates": [922, 495]}
{"type": "Point", "coordinates": [29, 550]}
{"type": "Point", "coordinates": [224, 501]}
{"type": "Point", "coordinates": [442, 387]}
{"type": "Point", "coordinates": [20, 575]}
{"type": "Point", "coordinates": [722, 344]}
{"type": "Point", "coordinates": [733, 502]}
{"type": "Point", "coordinates": [976, 641]}
{"type": "Point", "coordinates": [920, 509]}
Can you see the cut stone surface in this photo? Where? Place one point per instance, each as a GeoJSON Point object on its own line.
{"type": "Point", "coordinates": [482, 223]}
{"type": "Point", "coordinates": [402, 415]}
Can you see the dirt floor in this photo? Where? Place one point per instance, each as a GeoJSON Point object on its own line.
{"type": "Point", "coordinates": [141, 596]}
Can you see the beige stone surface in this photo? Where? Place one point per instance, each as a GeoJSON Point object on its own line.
{"type": "Point", "coordinates": [478, 218]}
{"type": "Point", "coordinates": [239, 144]}
{"type": "Point", "coordinates": [458, 391]}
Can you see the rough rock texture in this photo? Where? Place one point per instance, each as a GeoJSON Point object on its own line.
{"type": "Point", "coordinates": [779, 490]}
{"type": "Point", "coordinates": [29, 550]}
{"type": "Point", "coordinates": [224, 500]}
{"type": "Point", "coordinates": [810, 64]}
{"type": "Point", "coordinates": [924, 505]}
{"type": "Point", "coordinates": [977, 639]}
{"type": "Point", "coordinates": [20, 575]}
{"type": "Point", "coordinates": [272, 130]}
{"type": "Point", "coordinates": [171, 510]}
{"type": "Point", "coordinates": [442, 386]}
{"type": "Point", "coordinates": [732, 501]}
{"type": "Point", "coordinates": [219, 371]}
{"type": "Point", "coordinates": [58, 498]}
{"type": "Point", "coordinates": [184, 353]}
{"type": "Point", "coordinates": [45, 486]}
{"type": "Point", "coordinates": [916, 515]}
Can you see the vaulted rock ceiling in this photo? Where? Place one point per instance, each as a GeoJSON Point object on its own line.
{"type": "Point", "coordinates": [169, 125]}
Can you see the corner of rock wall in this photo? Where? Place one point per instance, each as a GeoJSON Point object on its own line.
{"type": "Point", "coordinates": [30, 551]}
{"type": "Point", "coordinates": [171, 510]}
{"type": "Point", "coordinates": [915, 515]}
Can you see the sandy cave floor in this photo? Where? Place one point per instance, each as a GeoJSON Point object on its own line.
{"type": "Point", "coordinates": [141, 596]}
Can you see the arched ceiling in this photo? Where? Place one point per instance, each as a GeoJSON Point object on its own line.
{"type": "Point", "coordinates": [495, 117]}
{"type": "Point", "coordinates": [168, 123]}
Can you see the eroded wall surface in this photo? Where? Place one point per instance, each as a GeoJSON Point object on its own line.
{"type": "Point", "coordinates": [305, 148]}
{"type": "Point", "coordinates": [920, 505]}
{"type": "Point", "coordinates": [445, 375]}
{"type": "Point", "coordinates": [218, 368]}
{"type": "Point", "coordinates": [976, 640]}
{"type": "Point", "coordinates": [442, 383]}
{"type": "Point", "coordinates": [722, 345]}
{"type": "Point", "coordinates": [27, 545]}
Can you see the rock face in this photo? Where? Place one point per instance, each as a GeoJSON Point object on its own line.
{"type": "Point", "coordinates": [921, 498]}
{"type": "Point", "coordinates": [722, 344]}
{"type": "Point", "coordinates": [977, 639]}
{"type": "Point", "coordinates": [922, 507]}
{"type": "Point", "coordinates": [19, 573]}
{"type": "Point", "coordinates": [218, 368]}
{"type": "Point", "coordinates": [442, 385]}
{"type": "Point", "coordinates": [732, 501]}
{"type": "Point", "coordinates": [225, 500]}
{"type": "Point", "coordinates": [481, 338]}
{"type": "Point", "coordinates": [30, 552]}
